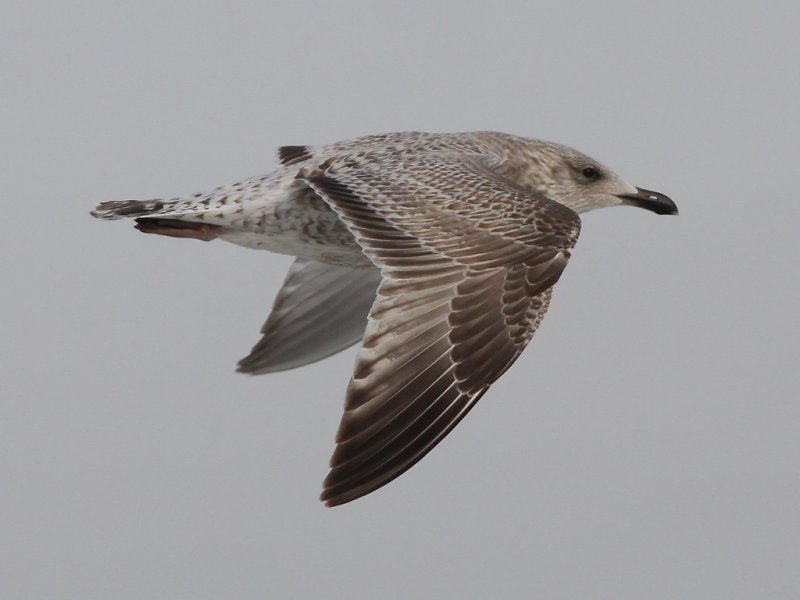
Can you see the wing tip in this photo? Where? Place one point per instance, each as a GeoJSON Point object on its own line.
{"type": "Point", "coordinates": [251, 365]}
{"type": "Point", "coordinates": [330, 501]}
{"type": "Point", "coordinates": [330, 497]}
{"type": "Point", "coordinates": [288, 155]}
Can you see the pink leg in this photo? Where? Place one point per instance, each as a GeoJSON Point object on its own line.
{"type": "Point", "coordinates": [178, 229]}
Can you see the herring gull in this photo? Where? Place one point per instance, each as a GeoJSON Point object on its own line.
{"type": "Point", "coordinates": [438, 252]}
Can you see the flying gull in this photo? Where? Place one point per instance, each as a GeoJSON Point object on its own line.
{"type": "Point", "coordinates": [438, 252]}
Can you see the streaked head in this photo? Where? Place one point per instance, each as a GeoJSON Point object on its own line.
{"type": "Point", "coordinates": [582, 183]}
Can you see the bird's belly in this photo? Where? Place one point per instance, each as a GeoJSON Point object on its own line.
{"type": "Point", "coordinates": [296, 222]}
{"type": "Point", "coordinates": [294, 244]}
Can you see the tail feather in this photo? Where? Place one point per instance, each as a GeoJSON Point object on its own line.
{"type": "Point", "coordinates": [131, 208]}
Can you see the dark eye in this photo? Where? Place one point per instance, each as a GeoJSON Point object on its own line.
{"type": "Point", "coordinates": [590, 173]}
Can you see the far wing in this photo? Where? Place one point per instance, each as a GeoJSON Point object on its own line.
{"type": "Point", "coordinates": [320, 310]}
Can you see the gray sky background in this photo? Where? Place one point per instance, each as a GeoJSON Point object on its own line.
{"type": "Point", "coordinates": [646, 445]}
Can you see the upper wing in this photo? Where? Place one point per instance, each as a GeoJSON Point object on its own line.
{"type": "Point", "coordinates": [320, 310]}
{"type": "Point", "coordinates": [468, 261]}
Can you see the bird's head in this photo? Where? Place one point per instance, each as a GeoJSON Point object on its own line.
{"type": "Point", "coordinates": [582, 183]}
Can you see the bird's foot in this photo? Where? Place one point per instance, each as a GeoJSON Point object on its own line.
{"type": "Point", "coordinates": [178, 229]}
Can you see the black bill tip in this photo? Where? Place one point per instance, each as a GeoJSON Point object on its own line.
{"type": "Point", "coordinates": [650, 200]}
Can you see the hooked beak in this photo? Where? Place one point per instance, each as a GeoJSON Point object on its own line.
{"type": "Point", "coordinates": [658, 203]}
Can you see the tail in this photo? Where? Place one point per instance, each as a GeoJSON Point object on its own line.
{"type": "Point", "coordinates": [131, 208]}
{"type": "Point", "coordinates": [147, 214]}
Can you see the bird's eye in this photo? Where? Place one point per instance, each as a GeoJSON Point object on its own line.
{"type": "Point", "coordinates": [590, 173]}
